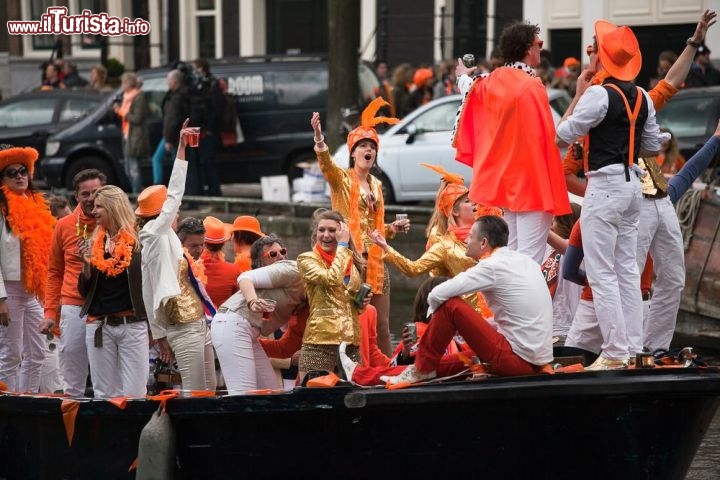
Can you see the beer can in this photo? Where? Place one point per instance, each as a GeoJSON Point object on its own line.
{"type": "Point", "coordinates": [364, 291]}
{"type": "Point", "coordinates": [468, 60]}
{"type": "Point", "coordinates": [412, 328]}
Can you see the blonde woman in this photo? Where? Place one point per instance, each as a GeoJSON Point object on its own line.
{"type": "Point", "coordinates": [116, 333]}
{"type": "Point", "coordinates": [357, 195]}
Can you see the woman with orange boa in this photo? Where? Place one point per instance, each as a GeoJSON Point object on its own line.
{"type": "Point", "coordinates": [357, 195]}
{"type": "Point", "coordinates": [26, 226]}
{"type": "Point", "coordinates": [332, 279]}
{"type": "Point", "coordinates": [448, 229]}
{"type": "Point", "coordinates": [116, 332]}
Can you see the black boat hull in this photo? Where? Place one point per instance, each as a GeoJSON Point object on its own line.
{"type": "Point", "coordinates": [624, 424]}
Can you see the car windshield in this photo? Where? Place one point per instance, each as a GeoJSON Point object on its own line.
{"type": "Point", "coordinates": [437, 119]}
{"type": "Point", "coordinates": [688, 117]}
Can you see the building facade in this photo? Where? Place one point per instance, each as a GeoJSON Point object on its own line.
{"type": "Point", "coordinates": [421, 32]}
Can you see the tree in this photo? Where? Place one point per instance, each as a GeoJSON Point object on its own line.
{"type": "Point", "coordinates": [343, 48]}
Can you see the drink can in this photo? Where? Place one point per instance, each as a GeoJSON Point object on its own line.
{"type": "Point", "coordinates": [364, 291]}
{"type": "Point", "coordinates": [412, 328]}
{"type": "Point", "coordinates": [468, 60]}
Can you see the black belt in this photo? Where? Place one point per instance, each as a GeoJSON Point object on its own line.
{"type": "Point", "coordinates": [646, 296]}
{"type": "Point", "coordinates": [656, 195]}
{"type": "Point", "coordinates": [113, 321]}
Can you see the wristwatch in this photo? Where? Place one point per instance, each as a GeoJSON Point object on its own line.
{"type": "Point", "coordinates": [692, 43]}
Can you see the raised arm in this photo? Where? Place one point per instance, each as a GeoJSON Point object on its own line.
{"type": "Point", "coordinates": [678, 72]}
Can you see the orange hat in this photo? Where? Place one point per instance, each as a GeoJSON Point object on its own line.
{"type": "Point", "coordinates": [246, 223]}
{"type": "Point", "coordinates": [421, 76]}
{"type": "Point", "coordinates": [26, 156]}
{"type": "Point", "coordinates": [150, 201]}
{"type": "Point", "coordinates": [454, 189]}
{"type": "Point", "coordinates": [367, 122]}
{"type": "Point", "coordinates": [618, 50]}
{"type": "Point", "coordinates": [571, 62]}
{"type": "Point", "coordinates": [216, 231]}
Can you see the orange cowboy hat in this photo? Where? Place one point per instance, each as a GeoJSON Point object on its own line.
{"type": "Point", "coordinates": [26, 156]}
{"type": "Point", "coordinates": [150, 201]}
{"type": "Point", "coordinates": [367, 122]}
{"type": "Point", "coordinates": [618, 50]}
{"type": "Point", "coordinates": [216, 231]}
{"type": "Point", "coordinates": [246, 223]}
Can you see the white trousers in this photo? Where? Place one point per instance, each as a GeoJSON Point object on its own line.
{"type": "Point", "coordinates": [243, 361]}
{"type": "Point", "coordinates": [22, 346]}
{"type": "Point", "coordinates": [659, 234]}
{"type": "Point", "coordinates": [609, 222]}
{"type": "Point", "coordinates": [73, 352]}
{"type": "Point", "coordinates": [50, 378]}
{"type": "Point", "coordinates": [585, 331]}
{"type": "Point", "coordinates": [528, 232]}
{"type": "Point", "coordinates": [120, 367]}
{"type": "Point", "coordinates": [192, 347]}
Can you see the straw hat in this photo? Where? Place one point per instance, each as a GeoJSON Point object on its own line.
{"type": "Point", "coordinates": [150, 201]}
{"type": "Point", "coordinates": [26, 156]}
{"type": "Point", "coordinates": [216, 231]}
{"type": "Point", "coordinates": [246, 223]}
{"type": "Point", "coordinates": [618, 50]}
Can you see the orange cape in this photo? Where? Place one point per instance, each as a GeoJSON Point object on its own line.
{"type": "Point", "coordinates": [507, 135]}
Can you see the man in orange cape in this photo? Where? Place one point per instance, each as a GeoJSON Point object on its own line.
{"type": "Point", "coordinates": [506, 134]}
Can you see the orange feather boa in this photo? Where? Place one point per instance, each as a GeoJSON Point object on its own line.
{"type": "Point", "coordinates": [32, 223]}
{"type": "Point", "coordinates": [375, 273]}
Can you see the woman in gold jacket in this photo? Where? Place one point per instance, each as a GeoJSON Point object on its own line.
{"type": "Point", "coordinates": [357, 195]}
{"type": "Point", "coordinates": [448, 229]}
{"type": "Point", "coordinates": [332, 279]}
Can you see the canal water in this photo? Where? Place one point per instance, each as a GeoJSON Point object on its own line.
{"type": "Point", "coordinates": [706, 465]}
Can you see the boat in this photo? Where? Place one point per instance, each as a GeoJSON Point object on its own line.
{"type": "Point", "coordinates": [634, 423]}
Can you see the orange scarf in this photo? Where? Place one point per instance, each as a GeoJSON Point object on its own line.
{"type": "Point", "coordinates": [32, 223]}
{"type": "Point", "coordinates": [375, 273]}
{"type": "Point", "coordinates": [329, 257]}
{"type": "Point", "coordinates": [461, 233]}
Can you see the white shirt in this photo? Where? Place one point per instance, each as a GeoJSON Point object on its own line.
{"type": "Point", "coordinates": [591, 110]}
{"type": "Point", "coordinates": [516, 292]}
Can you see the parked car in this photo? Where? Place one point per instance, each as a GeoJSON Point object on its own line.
{"type": "Point", "coordinates": [275, 98]}
{"type": "Point", "coordinates": [424, 137]}
{"type": "Point", "coordinates": [29, 119]}
{"type": "Point", "coordinates": [691, 116]}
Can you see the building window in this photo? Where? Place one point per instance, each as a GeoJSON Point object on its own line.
{"type": "Point", "coordinates": [206, 28]}
{"type": "Point", "coordinates": [95, 6]}
{"type": "Point", "coordinates": [37, 9]}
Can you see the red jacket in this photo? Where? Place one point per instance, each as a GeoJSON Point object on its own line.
{"type": "Point", "coordinates": [221, 277]}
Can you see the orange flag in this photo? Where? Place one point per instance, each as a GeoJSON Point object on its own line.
{"type": "Point", "coordinates": [69, 409]}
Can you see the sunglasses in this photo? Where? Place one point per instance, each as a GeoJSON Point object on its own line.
{"type": "Point", "coordinates": [274, 253]}
{"type": "Point", "coordinates": [539, 43]}
{"type": "Point", "coordinates": [15, 172]}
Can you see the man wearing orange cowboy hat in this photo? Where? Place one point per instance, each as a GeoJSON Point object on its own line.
{"type": "Point", "coordinates": [505, 133]}
{"type": "Point", "coordinates": [620, 120]}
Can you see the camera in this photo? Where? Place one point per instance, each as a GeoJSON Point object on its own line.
{"type": "Point", "coordinates": [118, 98]}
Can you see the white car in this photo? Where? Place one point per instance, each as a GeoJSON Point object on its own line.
{"type": "Point", "coordinates": [424, 137]}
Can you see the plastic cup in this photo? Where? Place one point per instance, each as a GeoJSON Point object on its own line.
{"type": "Point", "coordinates": [193, 139]}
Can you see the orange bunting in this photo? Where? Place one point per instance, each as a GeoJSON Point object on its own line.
{"type": "Point", "coordinates": [398, 386]}
{"type": "Point", "coordinates": [69, 409]}
{"type": "Point", "coordinates": [133, 465]}
{"type": "Point", "coordinates": [120, 402]}
{"type": "Point", "coordinates": [163, 397]}
{"type": "Point", "coordinates": [326, 381]}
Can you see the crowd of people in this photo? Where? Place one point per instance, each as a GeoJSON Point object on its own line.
{"type": "Point", "coordinates": [511, 274]}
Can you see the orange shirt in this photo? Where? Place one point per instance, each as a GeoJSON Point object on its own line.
{"type": "Point", "coordinates": [65, 262]}
{"type": "Point", "coordinates": [221, 277]}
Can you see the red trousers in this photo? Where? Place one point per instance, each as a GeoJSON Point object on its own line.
{"type": "Point", "coordinates": [487, 343]}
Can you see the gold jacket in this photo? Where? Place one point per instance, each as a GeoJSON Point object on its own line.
{"type": "Point", "coordinates": [333, 313]}
{"type": "Point", "coordinates": [340, 183]}
{"type": "Point", "coordinates": [446, 257]}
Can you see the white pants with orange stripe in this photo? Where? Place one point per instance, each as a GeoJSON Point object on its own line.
{"type": "Point", "coordinates": [659, 233]}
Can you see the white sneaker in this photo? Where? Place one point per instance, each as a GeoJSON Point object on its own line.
{"type": "Point", "coordinates": [409, 375]}
{"type": "Point", "coordinates": [347, 364]}
{"type": "Point", "coordinates": [603, 363]}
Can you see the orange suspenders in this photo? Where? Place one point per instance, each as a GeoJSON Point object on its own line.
{"type": "Point", "coordinates": [632, 116]}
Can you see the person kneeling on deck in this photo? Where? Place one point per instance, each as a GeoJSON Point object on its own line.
{"type": "Point", "coordinates": [521, 342]}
